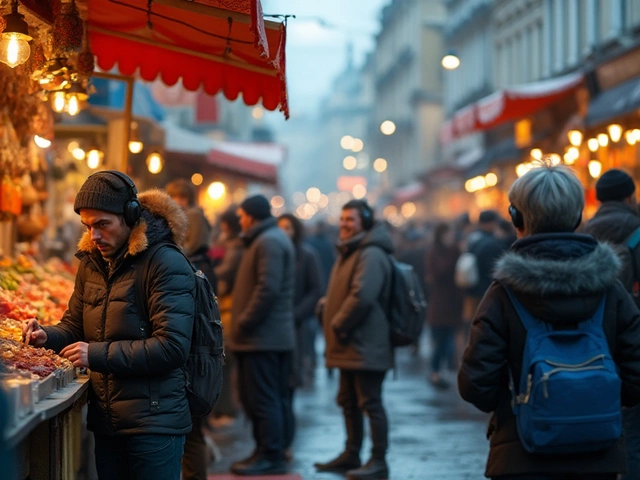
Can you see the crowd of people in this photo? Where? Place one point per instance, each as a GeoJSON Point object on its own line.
{"type": "Point", "coordinates": [490, 286]}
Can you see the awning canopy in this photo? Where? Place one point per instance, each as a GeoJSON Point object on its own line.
{"type": "Point", "coordinates": [259, 161]}
{"type": "Point", "coordinates": [620, 100]}
{"type": "Point", "coordinates": [216, 45]}
{"type": "Point", "coordinates": [508, 105]}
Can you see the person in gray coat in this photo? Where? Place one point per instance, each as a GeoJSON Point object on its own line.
{"type": "Point", "coordinates": [263, 335]}
{"type": "Point", "coordinates": [357, 335]}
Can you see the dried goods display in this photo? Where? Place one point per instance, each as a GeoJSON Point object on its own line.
{"type": "Point", "coordinates": [38, 361]}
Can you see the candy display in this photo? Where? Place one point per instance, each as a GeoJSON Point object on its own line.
{"type": "Point", "coordinates": [38, 361]}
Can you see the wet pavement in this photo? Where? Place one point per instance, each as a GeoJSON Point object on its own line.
{"type": "Point", "coordinates": [433, 433]}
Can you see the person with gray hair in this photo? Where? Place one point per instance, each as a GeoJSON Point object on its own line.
{"type": "Point", "coordinates": [560, 278]}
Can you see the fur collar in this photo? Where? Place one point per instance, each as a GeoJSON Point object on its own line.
{"type": "Point", "coordinates": [159, 213]}
{"type": "Point", "coordinates": [547, 270]}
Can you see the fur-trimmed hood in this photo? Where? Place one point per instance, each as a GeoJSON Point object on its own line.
{"type": "Point", "coordinates": [558, 265]}
{"type": "Point", "coordinates": [162, 220]}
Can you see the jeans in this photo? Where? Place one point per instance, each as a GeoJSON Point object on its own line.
{"type": "Point", "coordinates": [194, 461]}
{"type": "Point", "coordinates": [139, 457]}
{"type": "Point", "coordinates": [631, 428]}
{"type": "Point", "coordinates": [443, 346]}
{"type": "Point", "coordinates": [265, 393]}
{"type": "Point", "coordinates": [361, 392]}
{"type": "Point", "coordinates": [559, 476]}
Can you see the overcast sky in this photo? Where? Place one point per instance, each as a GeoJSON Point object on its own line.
{"type": "Point", "coordinates": [317, 53]}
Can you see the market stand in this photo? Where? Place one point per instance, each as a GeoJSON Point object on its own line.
{"type": "Point", "coordinates": [217, 46]}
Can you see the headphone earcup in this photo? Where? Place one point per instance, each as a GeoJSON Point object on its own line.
{"type": "Point", "coordinates": [516, 217]}
{"type": "Point", "coordinates": [367, 220]}
{"type": "Point", "coordinates": [132, 212]}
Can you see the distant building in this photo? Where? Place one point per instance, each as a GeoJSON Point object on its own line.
{"type": "Point", "coordinates": [408, 87]}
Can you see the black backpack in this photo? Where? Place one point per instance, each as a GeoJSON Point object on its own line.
{"type": "Point", "coordinates": [206, 357]}
{"type": "Point", "coordinates": [407, 304]}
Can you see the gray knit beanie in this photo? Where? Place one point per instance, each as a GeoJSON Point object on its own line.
{"type": "Point", "coordinates": [105, 192]}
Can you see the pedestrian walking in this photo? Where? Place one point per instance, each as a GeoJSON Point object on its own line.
{"type": "Point", "coordinates": [357, 335]}
{"type": "Point", "coordinates": [444, 311]}
{"type": "Point", "coordinates": [195, 246]}
{"type": "Point", "coordinates": [616, 222]}
{"type": "Point", "coordinates": [138, 408]}
{"type": "Point", "coordinates": [263, 335]}
{"type": "Point", "coordinates": [554, 288]}
{"type": "Point", "coordinates": [307, 291]}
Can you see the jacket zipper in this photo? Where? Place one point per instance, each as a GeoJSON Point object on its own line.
{"type": "Point", "coordinates": [106, 378]}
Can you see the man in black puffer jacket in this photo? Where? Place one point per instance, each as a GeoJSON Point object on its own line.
{"type": "Point", "coordinates": [138, 408]}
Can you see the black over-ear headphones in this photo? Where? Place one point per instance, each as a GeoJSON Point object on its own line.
{"type": "Point", "coordinates": [132, 209]}
{"type": "Point", "coordinates": [518, 220]}
{"type": "Point", "coordinates": [366, 213]}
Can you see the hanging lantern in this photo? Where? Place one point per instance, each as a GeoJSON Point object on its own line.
{"type": "Point", "coordinates": [155, 163]}
{"type": "Point", "coordinates": [75, 96]}
{"type": "Point", "coordinates": [14, 46]}
{"type": "Point", "coordinates": [68, 31]}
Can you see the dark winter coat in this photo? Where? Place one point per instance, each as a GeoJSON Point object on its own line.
{"type": "Point", "coordinates": [487, 248]}
{"type": "Point", "coordinates": [137, 381]}
{"type": "Point", "coordinates": [262, 310]}
{"type": "Point", "coordinates": [227, 270]}
{"type": "Point", "coordinates": [446, 299]}
{"type": "Point", "coordinates": [355, 324]}
{"type": "Point", "coordinates": [561, 279]}
{"type": "Point", "coordinates": [614, 223]}
{"type": "Point", "coordinates": [308, 287]}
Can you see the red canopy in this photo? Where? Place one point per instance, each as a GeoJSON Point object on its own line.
{"type": "Point", "coordinates": [214, 44]}
{"type": "Point", "coordinates": [508, 105]}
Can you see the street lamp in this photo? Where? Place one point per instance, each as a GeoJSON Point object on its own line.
{"type": "Point", "coordinates": [451, 61]}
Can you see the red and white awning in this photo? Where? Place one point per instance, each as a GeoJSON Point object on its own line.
{"type": "Point", "coordinates": [508, 105]}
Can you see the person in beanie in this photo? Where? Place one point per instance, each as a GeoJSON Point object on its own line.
{"type": "Point", "coordinates": [615, 222]}
{"type": "Point", "coordinates": [138, 408]}
{"type": "Point", "coordinates": [560, 277]}
{"type": "Point", "coordinates": [263, 336]}
{"type": "Point", "coordinates": [357, 336]}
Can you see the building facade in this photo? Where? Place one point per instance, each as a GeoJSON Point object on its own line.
{"type": "Point", "coordinates": [408, 87]}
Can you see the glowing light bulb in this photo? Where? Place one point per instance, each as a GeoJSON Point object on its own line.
{"type": "Point", "coordinates": [154, 163]}
{"type": "Point", "coordinates": [41, 142]}
{"type": "Point", "coordinates": [216, 190]}
{"type": "Point", "coordinates": [73, 106]}
{"type": "Point", "coordinates": [135, 146]}
{"type": "Point", "coordinates": [380, 165]}
{"type": "Point", "coordinates": [59, 101]}
{"type": "Point", "coordinates": [593, 144]}
{"type": "Point", "coordinates": [615, 132]}
{"type": "Point", "coordinates": [603, 139]}
{"type": "Point", "coordinates": [14, 49]}
{"type": "Point", "coordinates": [536, 154]}
{"type": "Point", "coordinates": [78, 153]}
{"type": "Point", "coordinates": [93, 158]}
{"type": "Point", "coordinates": [595, 168]}
{"type": "Point", "coordinates": [196, 179]}
{"type": "Point", "coordinates": [388, 127]}
{"type": "Point", "coordinates": [575, 137]}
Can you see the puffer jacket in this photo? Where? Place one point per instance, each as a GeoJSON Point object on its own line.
{"type": "Point", "coordinates": [262, 307]}
{"type": "Point", "coordinates": [354, 319]}
{"type": "Point", "coordinates": [137, 381]}
{"type": "Point", "coordinates": [559, 278]}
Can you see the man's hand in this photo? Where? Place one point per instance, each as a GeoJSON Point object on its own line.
{"type": "Point", "coordinates": [33, 334]}
{"type": "Point", "coordinates": [77, 353]}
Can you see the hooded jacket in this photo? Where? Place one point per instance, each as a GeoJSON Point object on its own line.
{"type": "Point", "coordinates": [559, 278]}
{"type": "Point", "coordinates": [354, 319]}
{"type": "Point", "coordinates": [614, 223]}
{"type": "Point", "coordinates": [137, 381]}
{"type": "Point", "coordinates": [262, 308]}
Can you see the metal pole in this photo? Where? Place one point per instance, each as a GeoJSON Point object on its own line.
{"type": "Point", "coordinates": [128, 103]}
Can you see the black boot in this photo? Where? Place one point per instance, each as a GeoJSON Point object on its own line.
{"type": "Point", "coordinates": [343, 462]}
{"type": "Point", "coordinates": [374, 469]}
{"type": "Point", "coordinates": [259, 465]}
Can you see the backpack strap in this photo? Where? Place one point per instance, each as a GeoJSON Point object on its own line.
{"type": "Point", "coordinates": [530, 322]}
{"type": "Point", "coordinates": [632, 243]}
{"type": "Point", "coordinates": [634, 239]}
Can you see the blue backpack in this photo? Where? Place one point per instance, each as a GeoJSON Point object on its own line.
{"type": "Point", "coordinates": [568, 400]}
